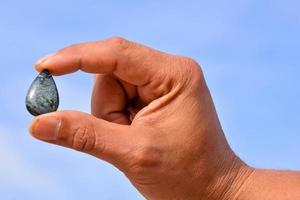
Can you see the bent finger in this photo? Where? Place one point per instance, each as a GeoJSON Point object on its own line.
{"type": "Point", "coordinates": [130, 62]}
{"type": "Point", "coordinates": [109, 100]}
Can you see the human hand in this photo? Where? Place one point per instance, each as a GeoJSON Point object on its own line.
{"type": "Point", "coordinates": [152, 117]}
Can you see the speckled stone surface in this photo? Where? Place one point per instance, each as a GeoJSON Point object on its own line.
{"type": "Point", "coordinates": [42, 96]}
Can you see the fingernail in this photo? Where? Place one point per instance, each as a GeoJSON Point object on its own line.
{"type": "Point", "coordinates": [44, 59]}
{"type": "Point", "coordinates": [45, 128]}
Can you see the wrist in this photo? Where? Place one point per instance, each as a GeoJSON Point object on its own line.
{"type": "Point", "coordinates": [230, 180]}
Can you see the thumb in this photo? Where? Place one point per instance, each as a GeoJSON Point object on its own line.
{"type": "Point", "coordinates": [83, 132]}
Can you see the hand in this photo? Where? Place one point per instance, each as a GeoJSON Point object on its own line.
{"type": "Point", "coordinates": [152, 117]}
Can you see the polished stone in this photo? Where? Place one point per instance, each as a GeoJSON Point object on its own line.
{"type": "Point", "coordinates": [42, 96]}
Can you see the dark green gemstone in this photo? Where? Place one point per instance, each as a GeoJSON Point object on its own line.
{"type": "Point", "coordinates": [42, 96]}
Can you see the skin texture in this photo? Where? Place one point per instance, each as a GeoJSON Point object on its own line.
{"type": "Point", "coordinates": [154, 119]}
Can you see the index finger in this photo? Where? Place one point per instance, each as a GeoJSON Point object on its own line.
{"type": "Point", "coordinates": [131, 62]}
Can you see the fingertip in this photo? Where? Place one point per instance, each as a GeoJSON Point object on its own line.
{"type": "Point", "coordinates": [58, 63]}
{"type": "Point", "coordinates": [36, 120]}
{"type": "Point", "coordinates": [45, 127]}
{"type": "Point", "coordinates": [31, 126]}
{"type": "Point", "coordinates": [44, 63]}
{"type": "Point", "coordinates": [44, 59]}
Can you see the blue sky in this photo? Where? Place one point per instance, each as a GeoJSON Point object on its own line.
{"type": "Point", "coordinates": [249, 51]}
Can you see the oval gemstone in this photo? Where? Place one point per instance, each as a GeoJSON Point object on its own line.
{"type": "Point", "coordinates": [42, 96]}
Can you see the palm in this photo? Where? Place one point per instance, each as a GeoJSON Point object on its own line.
{"type": "Point", "coordinates": [118, 101]}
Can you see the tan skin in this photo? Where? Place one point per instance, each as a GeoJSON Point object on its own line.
{"type": "Point", "coordinates": [154, 119]}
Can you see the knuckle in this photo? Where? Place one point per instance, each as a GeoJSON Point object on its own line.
{"type": "Point", "coordinates": [83, 139]}
{"type": "Point", "coordinates": [118, 42]}
{"type": "Point", "coordinates": [192, 70]}
{"type": "Point", "coordinates": [144, 159]}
